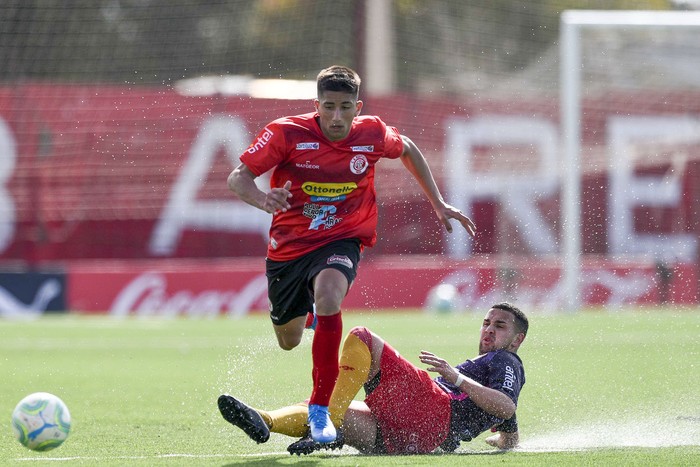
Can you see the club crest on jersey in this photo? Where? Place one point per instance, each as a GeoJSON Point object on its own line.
{"type": "Point", "coordinates": [337, 259]}
{"type": "Point", "coordinates": [359, 164]}
{"type": "Point", "coordinates": [303, 146]}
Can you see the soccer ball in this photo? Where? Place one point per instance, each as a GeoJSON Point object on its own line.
{"type": "Point", "coordinates": [443, 298]}
{"type": "Point", "coordinates": [41, 421]}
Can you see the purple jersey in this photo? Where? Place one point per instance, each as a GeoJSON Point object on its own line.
{"type": "Point", "coordinates": [501, 370]}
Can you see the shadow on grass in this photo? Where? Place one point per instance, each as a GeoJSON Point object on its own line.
{"type": "Point", "coordinates": [281, 460]}
{"type": "Point", "coordinates": [319, 458]}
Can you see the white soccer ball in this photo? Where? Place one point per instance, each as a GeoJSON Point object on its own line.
{"type": "Point", "coordinates": [443, 298]}
{"type": "Point", "coordinates": [41, 421]}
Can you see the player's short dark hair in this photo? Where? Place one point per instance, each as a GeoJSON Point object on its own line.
{"type": "Point", "coordinates": [338, 78]}
{"type": "Point", "coordinates": [521, 322]}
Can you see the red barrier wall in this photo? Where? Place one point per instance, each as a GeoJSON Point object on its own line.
{"type": "Point", "coordinates": [237, 287]}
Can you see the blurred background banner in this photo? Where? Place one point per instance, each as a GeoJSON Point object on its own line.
{"type": "Point", "coordinates": [236, 287]}
{"type": "Point", "coordinates": [121, 119]}
{"type": "Point", "coordinates": [28, 294]}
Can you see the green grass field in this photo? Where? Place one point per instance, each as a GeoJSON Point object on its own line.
{"type": "Point", "coordinates": [602, 388]}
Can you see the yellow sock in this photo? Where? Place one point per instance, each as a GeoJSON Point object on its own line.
{"type": "Point", "coordinates": [290, 421]}
{"type": "Point", "coordinates": [354, 363]}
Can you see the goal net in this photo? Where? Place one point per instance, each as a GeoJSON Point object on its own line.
{"type": "Point", "coordinates": [630, 101]}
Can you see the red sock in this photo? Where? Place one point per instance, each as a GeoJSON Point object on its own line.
{"type": "Point", "coordinates": [309, 320]}
{"type": "Point", "coordinates": [324, 353]}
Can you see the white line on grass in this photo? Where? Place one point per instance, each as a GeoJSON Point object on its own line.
{"type": "Point", "coordinates": [157, 456]}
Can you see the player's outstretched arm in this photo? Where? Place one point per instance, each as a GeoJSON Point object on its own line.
{"type": "Point", "coordinates": [503, 440]}
{"type": "Point", "coordinates": [415, 162]}
{"type": "Point", "coordinates": [242, 182]}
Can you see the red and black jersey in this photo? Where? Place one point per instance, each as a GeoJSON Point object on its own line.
{"type": "Point", "coordinates": [332, 181]}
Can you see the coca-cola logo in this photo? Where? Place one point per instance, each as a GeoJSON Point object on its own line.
{"type": "Point", "coordinates": [148, 295]}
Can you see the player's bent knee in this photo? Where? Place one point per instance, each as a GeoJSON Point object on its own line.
{"type": "Point", "coordinates": [289, 335]}
{"type": "Point", "coordinates": [363, 334]}
{"type": "Point", "coordinates": [288, 343]}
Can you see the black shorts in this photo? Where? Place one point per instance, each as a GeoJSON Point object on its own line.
{"type": "Point", "coordinates": [290, 283]}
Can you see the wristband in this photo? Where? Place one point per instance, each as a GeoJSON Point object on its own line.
{"type": "Point", "coordinates": [460, 379]}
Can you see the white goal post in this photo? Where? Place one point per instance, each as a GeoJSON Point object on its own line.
{"type": "Point", "coordinates": [572, 23]}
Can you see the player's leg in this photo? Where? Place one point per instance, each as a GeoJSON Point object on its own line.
{"type": "Point", "coordinates": [359, 362]}
{"type": "Point", "coordinates": [330, 287]}
{"type": "Point", "coordinates": [258, 424]}
{"type": "Point", "coordinates": [289, 334]}
{"type": "Point", "coordinates": [244, 417]}
{"type": "Point", "coordinates": [290, 299]}
{"type": "Point", "coordinates": [359, 431]}
{"type": "Point", "coordinates": [290, 420]}
{"type": "Point", "coordinates": [360, 428]}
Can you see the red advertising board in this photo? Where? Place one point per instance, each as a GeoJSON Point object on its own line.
{"type": "Point", "coordinates": [237, 287]}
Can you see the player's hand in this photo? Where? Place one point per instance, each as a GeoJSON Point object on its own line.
{"type": "Point", "coordinates": [493, 440]}
{"type": "Point", "coordinates": [438, 365]}
{"type": "Point", "coordinates": [450, 212]}
{"type": "Point", "coordinates": [276, 199]}
{"type": "Point", "coordinates": [503, 440]}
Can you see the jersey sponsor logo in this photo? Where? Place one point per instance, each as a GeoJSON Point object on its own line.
{"type": "Point", "coordinates": [321, 215]}
{"type": "Point", "coordinates": [509, 380]}
{"type": "Point", "coordinates": [369, 148]}
{"type": "Point", "coordinates": [328, 189]}
{"type": "Point", "coordinates": [359, 164]}
{"type": "Point", "coordinates": [328, 199]}
{"type": "Point", "coordinates": [273, 243]}
{"type": "Point", "coordinates": [302, 146]}
{"type": "Point", "coordinates": [260, 143]}
{"type": "Point", "coordinates": [308, 165]}
{"type": "Point", "coordinates": [338, 259]}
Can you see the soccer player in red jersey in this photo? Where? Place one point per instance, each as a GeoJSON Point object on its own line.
{"type": "Point", "coordinates": [324, 208]}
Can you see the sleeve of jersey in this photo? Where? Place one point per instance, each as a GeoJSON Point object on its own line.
{"type": "Point", "coordinates": [266, 151]}
{"type": "Point", "coordinates": [393, 144]}
{"type": "Point", "coordinates": [504, 376]}
{"type": "Point", "coordinates": [508, 426]}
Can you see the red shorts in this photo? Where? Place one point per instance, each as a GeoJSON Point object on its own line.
{"type": "Point", "coordinates": [412, 412]}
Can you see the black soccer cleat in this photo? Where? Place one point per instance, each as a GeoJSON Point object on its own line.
{"type": "Point", "coordinates": [244, 417]}
{"type": "Point", "coordinates": [304, 446]}
{"type": "Point", "coordinates": [307, 445]}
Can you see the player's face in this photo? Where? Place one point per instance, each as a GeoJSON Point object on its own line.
{"type": "Point", "coordinates": [336, 110]}
{"type": "Point", "coordinates": [498, 332]}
